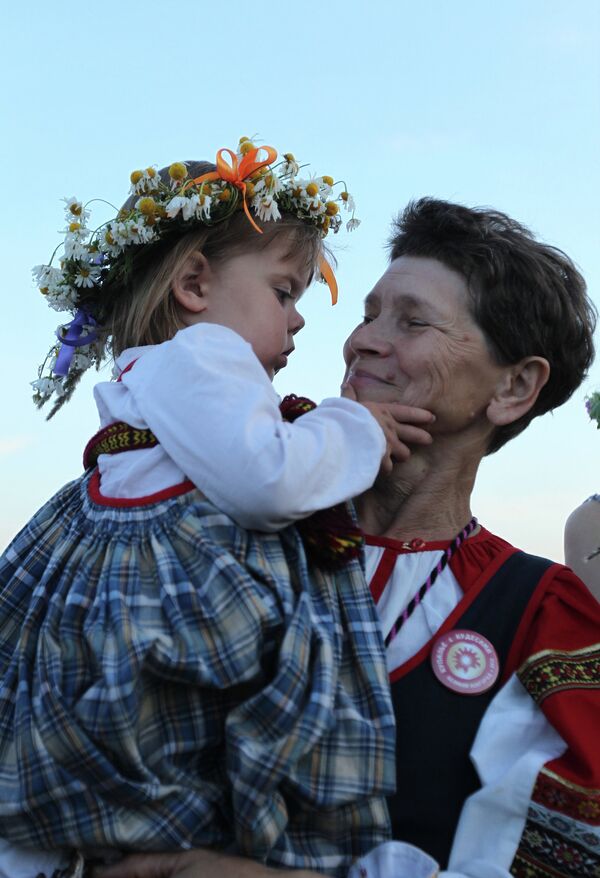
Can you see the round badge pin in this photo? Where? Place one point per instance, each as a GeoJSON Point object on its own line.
{"type": "Point", "coordinates": [465, 662]}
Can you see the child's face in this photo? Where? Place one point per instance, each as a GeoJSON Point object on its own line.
{"type": "Point", "coordinates": [256, 295]}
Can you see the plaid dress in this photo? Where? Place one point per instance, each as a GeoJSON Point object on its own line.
{"type": "Point", "coordinates": [169, 680]}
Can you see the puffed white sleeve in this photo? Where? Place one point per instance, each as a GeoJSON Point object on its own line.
{"type": "Point", "coordinates": [210, 403]}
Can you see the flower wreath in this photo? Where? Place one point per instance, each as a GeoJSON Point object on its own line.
{"type": "Point", "coordinates": [247, 179]}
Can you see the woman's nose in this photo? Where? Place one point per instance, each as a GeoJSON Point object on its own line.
{"type": "Point", "coordinates": [370, 338]}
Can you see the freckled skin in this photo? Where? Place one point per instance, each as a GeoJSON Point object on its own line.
{"type": "Point", "coordinates": [419, 345]}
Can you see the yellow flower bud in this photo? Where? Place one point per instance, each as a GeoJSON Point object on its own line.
{"type": "Point", "coordinates": [249, 190]}
{"type": "Point", "coordinates": [177, 171]}
{"type": "Point", "coordinates": [44, 291]}
{"type": "Point", "coordinates": [331, 208]}
{"type": "Point", "coordinates": [151, 172]}
{"type": "Point", "coordinates": [206, 188]}
{"type": "Point", "coordinates": [225, 195]}
{"type": "Point", "coordinates": [297, 192]}
{"type": "Point", "coordinates": [246, 147]}
{"type": "Point", "coordinates": [325, 224]}
{"type": "Point", "coordinates": [136, 176]}
{"type": "Point", "coordinates": [345, 195]}
{"type": "Point", "coordinates": [75, 209]}
{"type": "Point", "coordinates": [312, 189]}
{"type": "Point", "coordinates": [328, 181]}
{"type": "Point", "coordinates": [243, 140]}
{"type": "Point", "coordinates": [288, 156]}
{"type": "Point", "coordinates": [147, 207]}
{"type": "Point", "coordinates": [74, 227]}
{"type": "Point", "coordinates": [109, 238]}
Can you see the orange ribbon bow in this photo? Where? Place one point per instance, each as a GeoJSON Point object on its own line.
{"type": "Point", "coordinates": [237, 173]}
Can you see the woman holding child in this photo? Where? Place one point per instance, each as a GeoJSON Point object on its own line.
{"type": "Point", "coordinates": [497, 762]}
{"type": "Point", "coordinates": [492, 655]}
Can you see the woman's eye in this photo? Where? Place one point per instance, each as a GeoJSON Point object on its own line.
{"type": "Point", "coordinates": [417, 323]}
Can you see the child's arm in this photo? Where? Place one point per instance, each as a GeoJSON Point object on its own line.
{"type": "Point", "coordinates": [211, 405]}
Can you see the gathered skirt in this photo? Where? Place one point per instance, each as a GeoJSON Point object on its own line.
{"type": "Point", "coordinates": [169, 680]}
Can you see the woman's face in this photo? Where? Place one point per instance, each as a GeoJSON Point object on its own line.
{"type": "Point", "coordinates": [419, 345]}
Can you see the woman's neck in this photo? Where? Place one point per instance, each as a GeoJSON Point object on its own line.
{"type": "Point", "coordinates": [428, 496]}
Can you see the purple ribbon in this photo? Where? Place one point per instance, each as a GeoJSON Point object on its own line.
{"type": "Point", "coordinates": [70, 337]}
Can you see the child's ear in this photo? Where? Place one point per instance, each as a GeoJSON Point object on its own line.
{"type": "Point", "coordinates": [189, 285]}
{"type": "Point", "coordinates": [518, 390]}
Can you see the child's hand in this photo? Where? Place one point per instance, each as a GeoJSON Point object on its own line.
{"type": "Point", "coordinates": [398, 423]}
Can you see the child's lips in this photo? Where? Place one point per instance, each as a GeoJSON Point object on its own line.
{"type": "Point", "coordinates": [283, 358]}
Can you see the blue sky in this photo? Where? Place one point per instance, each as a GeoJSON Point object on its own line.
{"type": "Point", "coordinates": [478, 102]}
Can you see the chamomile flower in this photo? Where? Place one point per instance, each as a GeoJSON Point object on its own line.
{"type": "Point", "coordinates": [265, 207]}
{"type": "Point", "coordinates": [144, 182]}
{"type": "Point", "coordinates": [85, 277]}
{"type": "Point", "coordinates": [347, 201]}
{"type": "Point", "coordinates": [290, 167]}
{"type": "Point", "coordinates": [75, 211]}
{"type": "Point", "coordinates": [352, 224]}
{"type": "Point", "coordinates": [75, 249]}
{"type": "Point", "coordinates": [203, 208]}
{"type": "Point", "coordinates": [187, 204]}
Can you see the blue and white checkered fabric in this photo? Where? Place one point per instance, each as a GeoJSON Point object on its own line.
{"type": "Point", "coordinates": [169, 680]}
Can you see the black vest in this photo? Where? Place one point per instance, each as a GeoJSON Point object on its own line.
{"type": "Point", "coordinates": [436, 726]}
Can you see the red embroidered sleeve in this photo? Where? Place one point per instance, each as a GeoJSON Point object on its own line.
{"type": "Point", "coordinates": [560, 669]}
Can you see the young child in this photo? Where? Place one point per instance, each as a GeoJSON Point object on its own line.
{"type": "Point", "coordinates": [177, 668]}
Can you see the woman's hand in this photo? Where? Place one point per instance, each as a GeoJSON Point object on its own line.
{"type": "Point", "coordinates": [192, 864]}
{"type": "Point", "coordinates": [399, 424]}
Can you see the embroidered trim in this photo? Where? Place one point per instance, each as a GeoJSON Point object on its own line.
{"type": "Point", "coordinates": [554, 671]}
{"type": "Point", "coordinates": [547, 852]}
{"type": "Point", "coordinates": [565, 797]}
{"type": "Point", "coordinates": [114, 439]}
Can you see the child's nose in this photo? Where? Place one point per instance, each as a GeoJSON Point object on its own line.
{"type": "Point", "coordinates": [296, 322]}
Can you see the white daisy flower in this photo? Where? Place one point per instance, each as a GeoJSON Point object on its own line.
{"type": "Point", "coordinates": [81, 361]}
{"type": "Point", "coordinates": [203, 208]}
{"type": "Point", "coordinates": [85, 277]}
{"type": "Point", "coordinates": [272, 184]}
{"type": "Point", "coordinates": [75, 211]}
{"type": "Point", "coordinates": [348, 201]}
{"type": "Point", "coordinates": [64, 299]}
{"type": "Point", "coordinates": [43, 387]}
{"type": "Point", "coordinates": [75, 249]}
{"type": "Point", "coordinates": [46, 275]}
{"type": "Point", "coordinates": [146, 183]}
{"type": "Point", "coordinates": [187, 204]}
{"type": "Point", "coordinates": [266, 208]}
{"type": "Point", "coordinates": [290, 167]}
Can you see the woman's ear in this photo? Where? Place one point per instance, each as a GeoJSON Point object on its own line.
{"type": "Point", "coordinates": [518, 390]}
{"type": "Point", "coordinates": [189, 286]}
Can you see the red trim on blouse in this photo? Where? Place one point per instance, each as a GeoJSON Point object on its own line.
{"type": "Point", "coordinates": [514, 657]}
{"type": "Point", "coordinates": [471, 587]}
{"type": "Point", "coordinates": [127, 368]}
{"type": "Point", "coordinates": [159, 496]}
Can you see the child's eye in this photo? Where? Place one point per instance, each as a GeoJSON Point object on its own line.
{"type": "Point", "coordinates": [283, 295]}
{"type": "Point", "coordinates": [367, 319]}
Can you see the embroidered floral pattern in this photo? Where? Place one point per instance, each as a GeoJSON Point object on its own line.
{"type": "Point", "coordinates": [557, 794]}
{"type": "Point", "coordinates": [544, 852]}
{"type": "Point", "coordinates": [549, 672]}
